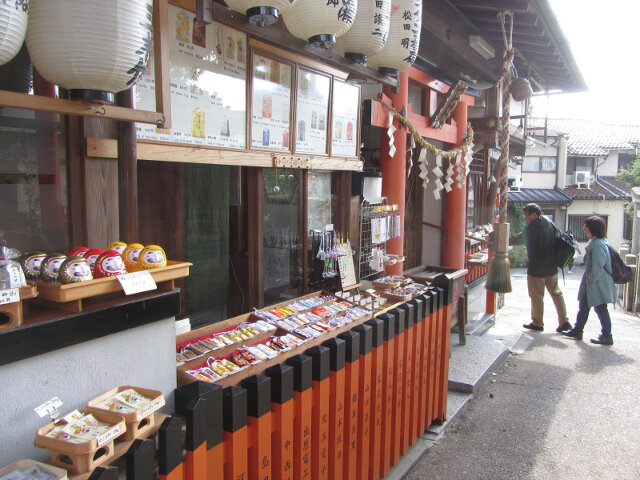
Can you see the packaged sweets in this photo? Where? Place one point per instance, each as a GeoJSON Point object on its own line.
{"type": "Point", "coordinates": [249, 357]}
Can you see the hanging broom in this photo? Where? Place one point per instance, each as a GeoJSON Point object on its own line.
{"type": "Point", "coordinates": [499, 276]}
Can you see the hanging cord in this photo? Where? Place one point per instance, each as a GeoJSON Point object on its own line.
{"type": "Point", "coordinates": [423, 143]}
{"type": "Point", "coordinates": [505, 82]}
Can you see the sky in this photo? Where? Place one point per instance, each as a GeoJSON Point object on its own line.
{"type": "Point", "coordinates": [603, 39]}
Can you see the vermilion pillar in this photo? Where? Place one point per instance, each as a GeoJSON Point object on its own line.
{"type": "Point", "coordinates": [394, 170]}
{"type": "Point", "coordinates": [456, 204]}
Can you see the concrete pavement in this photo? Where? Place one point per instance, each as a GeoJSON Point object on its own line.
{"type": "Point", "coordinates": [561, 409]}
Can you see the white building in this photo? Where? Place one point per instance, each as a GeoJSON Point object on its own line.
{"type": "Point", "coordinates": [570, 170]}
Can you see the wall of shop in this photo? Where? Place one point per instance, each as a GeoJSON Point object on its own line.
{"type": "Point", "coordinates": [142, 356]}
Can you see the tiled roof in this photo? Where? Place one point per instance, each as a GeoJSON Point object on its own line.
{"type": "Point", "coordinates": [615, 185]}
{"type": "Point", "coordinates": [601, 189]}
{"type": "Point", "coordinates": [590, 138]}
{"type": "Point", "coordinates": [539, 196]}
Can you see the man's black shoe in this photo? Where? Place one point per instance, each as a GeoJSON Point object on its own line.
{"type": "Point", "coordinates": [533, 326]}
{"type": "Point", "coordinates": [602, 340]}
{"type": "Point", "coordinates": [573, 334]}
{"type": "Point", "coordinates": [564, 327]}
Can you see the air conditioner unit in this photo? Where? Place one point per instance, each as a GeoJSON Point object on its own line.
{"type": "Point", "coordinates": [514, 183]}
{"type": "Point", "coordinates": [582, 179]}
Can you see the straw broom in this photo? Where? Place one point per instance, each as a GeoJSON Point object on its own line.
{"type": "Point", "coordinates": [499, 275]}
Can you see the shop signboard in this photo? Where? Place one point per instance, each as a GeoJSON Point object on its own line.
{"type": "Point", "coordinates": [312, 112]}
{"type": "Point", "coordinates": [346, 101]}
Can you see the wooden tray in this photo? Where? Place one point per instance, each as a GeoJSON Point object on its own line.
{"type": "Point", "coordinates": [138, 422]}
{"type": "Point", "coordinates": [90, 446]}
{"type": "Point", "coordinates": [14, 310]}
{"type": "Point", "coordinates": [58, 473]}
{"type": "Point", "coordinates": [69, 297]}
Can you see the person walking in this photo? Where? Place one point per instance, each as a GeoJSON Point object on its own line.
{"type": "Point", "coordinates": [596, 287]}
{"type": "Point", "coordinates": [542, 273]}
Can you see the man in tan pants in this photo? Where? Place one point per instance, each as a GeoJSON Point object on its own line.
{"type": "Point", "coordinates": [542, 273]}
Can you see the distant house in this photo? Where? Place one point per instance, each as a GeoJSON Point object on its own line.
{"type": "Point", "coordinates": [570, 169]}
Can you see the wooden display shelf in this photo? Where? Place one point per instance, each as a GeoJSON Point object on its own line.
{"type": "Point", "coordinates": [69, 297]}
{"type": "Point", "coordinates": [121, 447]}
{"type": "Point", "coordinates": [14, 310]}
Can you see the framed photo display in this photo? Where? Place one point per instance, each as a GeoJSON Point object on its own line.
{"type": "Point", "coordinates": [208, 84]}
{"type": "Point", "coordinates": [345, 119]}
{"type": "Point", "coordinates": [312, 112]}
{"type": "Point", "coordinates": [271, 104]}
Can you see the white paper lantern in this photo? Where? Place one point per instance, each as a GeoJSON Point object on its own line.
{"type": "Point", "coordinates": [13, 27]}
{"type": "Point", "coordinates": [93, 48]}
{"type": "Point", "coordinates": [320, 21]}
{"type": "Point", "coordinates": [403, 41]}
{"type": "Point", "coordinates": [261, 12]}
{"type": "Point", "coordinates": [368, 34]}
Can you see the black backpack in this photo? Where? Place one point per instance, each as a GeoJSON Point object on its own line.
{"type": "Point", "coordinates": [563, 249]}
{"type": "Point", "coordinates": [620, 272]}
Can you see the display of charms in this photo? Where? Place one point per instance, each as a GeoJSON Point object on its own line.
{"type": "Point", "coordinates": [75, 269]}
{"type": "Point", "coordinates": [50, 267]}
{"type": "Point", "coordinates": [152, 256]}
{"type": "Point", "coordinates": [117, 246]}
{"type": "Point", "coordinates": [78, 252]}
{"type": "Point", "coordinates": [11, 275]}
{"type": "Point", "coordinates": [30, 263]}
{"type": "Point", "coordinates": [109, 264]}
{"type": "Point", "coordinates": [130, 256]}
{"type": "Point", "coordinates": [92, 255]}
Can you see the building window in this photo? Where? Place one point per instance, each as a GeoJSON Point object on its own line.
{"type": "Point", "coordinates": [579, 165]}
{"type": "Point", "coordinates": [576, 222]}
{"type": "Point", "coordinates": [539, 164]}
{"type": "Point", "coordinates": [625, 160]}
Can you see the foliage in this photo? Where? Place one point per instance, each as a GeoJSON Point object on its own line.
{"type": "Point", "coordinates": [518, 256]}
{"type": "Point", "coordinates": [516, 219]}
{"type": "Point", "coordinates": [631, 176]}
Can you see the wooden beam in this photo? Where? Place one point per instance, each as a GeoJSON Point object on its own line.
{"type": "Point", "coordinates": [106, 148]}
{"type": "Point", "coordinates": [79, 108]}
{"type": "Point", "coordinates": [161, 64]}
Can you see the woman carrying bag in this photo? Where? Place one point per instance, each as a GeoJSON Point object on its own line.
{"type": "Point", "coordinates": [596, 288]}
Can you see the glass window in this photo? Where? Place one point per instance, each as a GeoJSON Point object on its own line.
{"type": "Point", "coordinates": [539, 164]}
{"type": "Point", "coordinates": [312, 112]}
{"type": "Point", "coordinates": [283, 234]}
{"type": "Point", "coordinates": [33, 181]}
{"type": "Point", "coordinates": [576, 222]}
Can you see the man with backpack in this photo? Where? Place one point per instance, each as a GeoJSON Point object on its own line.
{"type": "Point", "coordinates": [542, 272]}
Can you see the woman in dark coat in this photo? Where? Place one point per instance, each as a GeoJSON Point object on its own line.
{"type": "Point", "coordinates": [596, 288]}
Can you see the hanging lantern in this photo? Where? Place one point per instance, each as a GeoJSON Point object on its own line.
{"type": "Point", "coordinates": [93, 48]}
{"type": "Point", "coordinates": [261, 12]}
{"type": "Point", "coordinates": [320, 21]}
{"type": "Point", "coordinates": [403, 41]}
{"type": "Point", "coordinates": [13, 26]}
{"type": "Point", "coordinates": [368, 34]}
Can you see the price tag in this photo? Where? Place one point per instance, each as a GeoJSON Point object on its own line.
{"type": "Point", "coordinates": [10, 295]}
{"type": "Point", "coordinates": [328, 227]}
{"type": "Point", "coordinates": [110, 435]}
{"type": "Point", "coordinates": [137, 282]}
{"type": "Point", "coordinates": [49, 407]}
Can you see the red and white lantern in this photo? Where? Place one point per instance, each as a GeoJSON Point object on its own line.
{"type": "Point", "coordinates": [368, 34]}
{"type": "Point", "coordinates": [401, 48]}
{"type": "Point", "coordinates": [320, 21]}
{"type": "Point", "coordinates": [93, 48]}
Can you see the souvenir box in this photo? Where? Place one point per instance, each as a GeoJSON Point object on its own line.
{"type": "Point", "coordinates": [85, 456]}
{"type": "Point", "coordinates": [139, 422]}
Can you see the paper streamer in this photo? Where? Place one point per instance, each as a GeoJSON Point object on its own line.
{"type": "Point", "coordinates": [390, 131]}
{"type": "Point", "coordinates": [450, 175]}
{"type": "Point", "coordinates": [437, 172]}
{"type": "Point", "coordinates": [423, 167]}
{"type": "Point", "coordinates": [410, 159]}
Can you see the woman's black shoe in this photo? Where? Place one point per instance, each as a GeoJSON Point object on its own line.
{"type": "Point", "coordinates": [564, 327]}
{"type": "Point", "coordinates": [573, 334]}
{"type": "Point", "coordinates": [602, 340]}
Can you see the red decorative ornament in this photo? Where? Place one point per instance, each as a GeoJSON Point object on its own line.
{"type": "Point", "coordinates": [109, 264]}
{"type": "Point", "coordinates": [92, 255]}
{"type": "Point", "coordinates": [78, 252]}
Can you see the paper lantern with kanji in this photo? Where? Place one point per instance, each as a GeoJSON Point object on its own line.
{"type": "Point", "coordinates": [13, 27]}
{"type": "Point", "coordinates": [261, 12]}
{"type": "Point", "coordinates": [368, 34]}
{"type": "Point", "coordinates": [320, 21]}
{"type": "Point", "coordinates": [93, 48]}
{"type": "Point", "coordinates": [403, 41]}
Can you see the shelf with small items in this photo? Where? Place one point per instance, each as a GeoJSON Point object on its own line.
{"type": "Point", "coordinates": [284, 330]}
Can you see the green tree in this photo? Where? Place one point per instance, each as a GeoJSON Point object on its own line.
{"type": "Point", "coordinates": [631, 176]}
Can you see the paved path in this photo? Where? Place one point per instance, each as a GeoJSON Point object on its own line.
{"type": "Point", "coordinates": [561, 410]}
